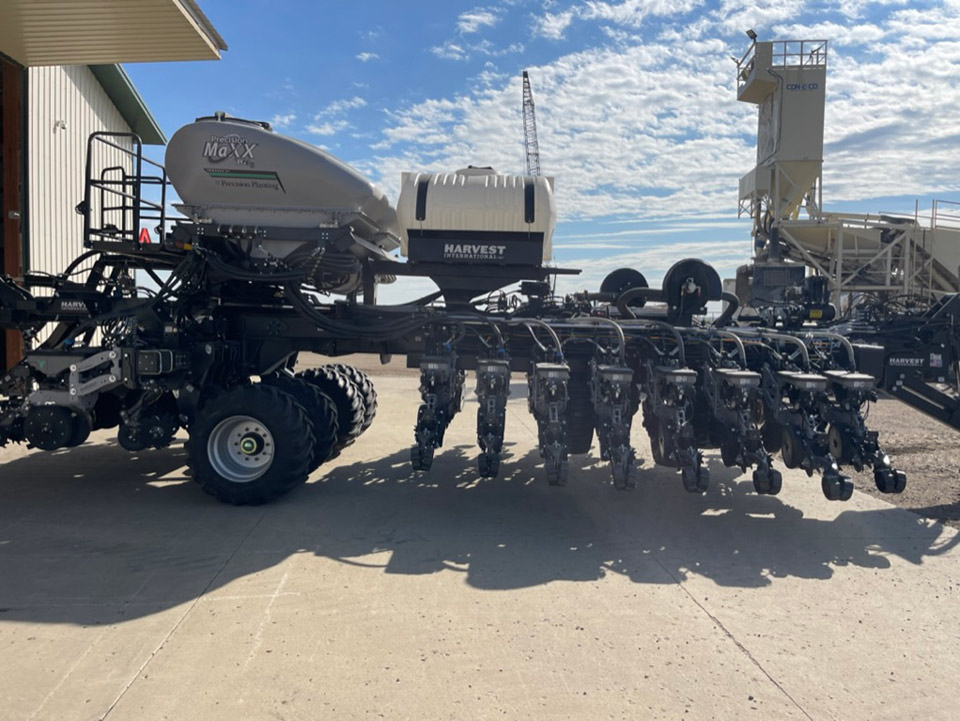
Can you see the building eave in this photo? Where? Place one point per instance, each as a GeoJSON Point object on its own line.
{"type": "Point", "coordinates": [124, 95]}
{"type": "Point", "coordinates": [103, 32]}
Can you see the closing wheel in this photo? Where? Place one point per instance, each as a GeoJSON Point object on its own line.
{"type": "Point", "coordinates": [130, 438]}
{"type": "Point", "coordinates": [623, 477]}
{"type": "Point", "coordinates": [889, 481]}
{"type": "Point", "coordinates": [776, 482]}
{"type": "Point", "coordinates": [152, 430]}
{"type": "Point", "coordinates": [558, 473]}
{"type": "Point", "coordinates": [836, 487]}
{"type": "Point", "coordinates": [690, 479]}
{"type": "Point", "coordinates": [839, 444]}
{"type": "Point", "coordinates": [250, 445]}
{"type": "Point", "coordinates": [767, 481]}
{"type": "Point", "coordinates": [703, 479]}
{"type": "Point", "coordinates": [488, 465]}
{"type": "Point", "coordinates": [791, 447]}
{"type": "Point", "coordinates": [421, 458]}
{"type": "Point", "coordinates": [901, 481]}
{"type": "Point", "coordinates": [761, 481]}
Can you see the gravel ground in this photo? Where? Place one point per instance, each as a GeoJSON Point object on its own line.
{"type": "Point", "coordinates": [929, 453]}
{"type": "Point", "coordinates": [927, 450]}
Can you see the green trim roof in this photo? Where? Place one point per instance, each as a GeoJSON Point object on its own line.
{"type": "Point", "coordinates": [127, 100]}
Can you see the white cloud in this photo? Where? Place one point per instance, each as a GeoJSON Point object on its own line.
{"type": "Point", "coordinates": [553, 25]}
{"type": "Point", "coordinates": [837, 34]}
{"type": "Point", "coordinates": [477, 19]}
{"type": "Point", "coordinates": [459, 51]}
{"type": "Point", "coordinates": [632, 12]}
{"type": "Point", "coordinates": [330, 120]}
{"type": "Point", "coordinates": [450, 51]}
{"type": "Point", "coordinates": [327, 128]}
{"type": "Point", "coordinates": [737, 16]}
{"type": "Point", "coordinates": [855, 8]}
{"type": "Point", "coordinates": [282, 121]}
{"type": "Point", "coordinates": [341, 106]}
{"type": "Point", "coordinates": [367, 57]}
{"type": "Point", "coordinates": [626, 13]}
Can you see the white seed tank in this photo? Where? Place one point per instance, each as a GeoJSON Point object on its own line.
{"type": "Point", "coordinates": [238, 172]}
{"type": "Point", "coordinates": [476, 215]}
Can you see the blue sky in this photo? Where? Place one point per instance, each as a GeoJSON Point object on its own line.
{"type": "Point", "coordinates": [636, 103]}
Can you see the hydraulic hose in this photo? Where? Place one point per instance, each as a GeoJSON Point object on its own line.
{"type": "Point", "coordinates": [733, 304]}
{"type": "Point", "coordinates": [793, 340]}
{"type": "Point", "coordinates": [649, 322]}
{"type": "Point", "coordinates": [623, 302]}
{"type": "Point", "coordinates": [741, 351]}
{"type": "Point", "coordinates": [622, 348]}
{"type": "Point", "coordinates": [530, 322]}
{"type": "Point", "coordinates": [847, 345]}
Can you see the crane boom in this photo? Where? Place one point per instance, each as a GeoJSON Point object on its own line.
{"type": "Point", "coordinates": [530, 144]}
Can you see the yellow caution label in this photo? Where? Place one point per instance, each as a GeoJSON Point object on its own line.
{"type": "Point", "coordinates": [815, 313]}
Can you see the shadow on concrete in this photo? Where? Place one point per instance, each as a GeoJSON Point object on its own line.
{"type": "Point", "coordinates": [99, 536]}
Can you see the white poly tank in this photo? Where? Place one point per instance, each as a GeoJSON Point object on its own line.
{"type": "Point", "coordinates": [476, 215]}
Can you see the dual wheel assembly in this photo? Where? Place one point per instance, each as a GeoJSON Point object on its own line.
{"type": "Point", "coordinates": [252, 443]}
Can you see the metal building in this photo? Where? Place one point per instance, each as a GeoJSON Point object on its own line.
{"type": "Point", "coordinates": [60, 81]}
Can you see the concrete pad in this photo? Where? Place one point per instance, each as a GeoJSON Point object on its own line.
{"type": "Point", "coordinates": [126, 593]}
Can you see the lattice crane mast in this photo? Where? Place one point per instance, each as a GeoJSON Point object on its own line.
{"type": "Point", "coordinates": [530, 144]}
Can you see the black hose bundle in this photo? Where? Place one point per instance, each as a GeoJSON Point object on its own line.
{"type": "Point", "coordinates": [379, 332]}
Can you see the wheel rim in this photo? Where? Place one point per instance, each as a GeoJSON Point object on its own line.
{"type": "Point", "coordinates": [240, 449]}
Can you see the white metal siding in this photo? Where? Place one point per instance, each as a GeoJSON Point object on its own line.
{"type": "Point", "coordinates": [65, 105]}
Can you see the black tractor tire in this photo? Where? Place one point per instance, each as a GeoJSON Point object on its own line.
{"type": "Point", "coordinates": [321, 414]}
{"type": "Point", "coordinates": [341, 390]}
{"type": "Point", "coordinates": [581, 417]}
{"type": "Point", "coordinates": [250, 444]}
{"type": "Point", "coordinates": [368, 394]}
